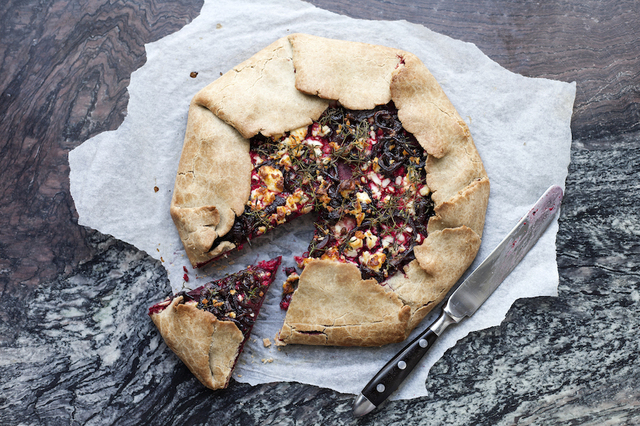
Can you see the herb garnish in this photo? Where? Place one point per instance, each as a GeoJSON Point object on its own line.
{"type": "Point", "coordinates": [363, 174]}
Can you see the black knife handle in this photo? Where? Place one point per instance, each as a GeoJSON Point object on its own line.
{"type": "Point", "coordinates": [391, 376]}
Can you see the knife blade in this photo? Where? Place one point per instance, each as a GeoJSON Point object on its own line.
{"type": "Point", "coordinates": [465, 300]}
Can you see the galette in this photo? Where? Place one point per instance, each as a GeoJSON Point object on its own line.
{"type": "Point", "coordinates": [363, 138]}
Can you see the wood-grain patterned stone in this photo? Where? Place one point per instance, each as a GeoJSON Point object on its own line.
{"type": "Point", "coordinates": [593, 43]}
{"type": "Point", "coordinates": [64, 74]}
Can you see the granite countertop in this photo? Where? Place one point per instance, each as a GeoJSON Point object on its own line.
{"type": "Point", "coordinates": [73, 348]}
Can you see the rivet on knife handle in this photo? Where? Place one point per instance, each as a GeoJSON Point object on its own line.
{"type": "Point", "coordinates": [467, 298]}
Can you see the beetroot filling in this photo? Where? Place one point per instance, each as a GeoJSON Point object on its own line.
{"type": "Point", "coordinates": [236, 297]}
{"type": "Point", "coordinates": [364, 176]}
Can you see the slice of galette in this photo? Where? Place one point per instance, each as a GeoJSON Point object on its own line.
{"type": "Point", "coordinates": [207, 327]}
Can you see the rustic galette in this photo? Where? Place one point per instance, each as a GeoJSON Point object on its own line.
{"type": "Point", "coordinates": [364, 138]}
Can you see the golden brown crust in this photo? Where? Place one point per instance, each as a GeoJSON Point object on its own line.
{"type": "Point", "coordinates": [259, 95]}
{"type": "Point", "coordinates": [272, 93]}
{"type": "Point", "coordinates": [207, 346]}
{"type": "Point", "coordinates": [358, 75]}
{"type": "Point", "coordinates": [462, 209]}
{"type": "Point", "coordinates": [424, 109]}
{"type": "Point", "coordinates": [212, 184]}
{"type": "Point", "coordinates": [445, 184]}
{"type": "Point", "coordinates": [334, 305]}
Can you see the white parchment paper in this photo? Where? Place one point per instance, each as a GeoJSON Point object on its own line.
{"type": "Point", "coordinates": [122, 181]}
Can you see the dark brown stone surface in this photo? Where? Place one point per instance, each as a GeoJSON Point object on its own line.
{"type": "Point", "coordinates": [64, 75]}
{"type": "Point", "coordinates": [593, 43]}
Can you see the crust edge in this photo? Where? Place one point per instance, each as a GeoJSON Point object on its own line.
{"type": "Point", "coordinates": [207, 346]}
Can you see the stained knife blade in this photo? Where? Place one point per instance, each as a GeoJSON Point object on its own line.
{"type": "Point", "coordinates": [465, 300]}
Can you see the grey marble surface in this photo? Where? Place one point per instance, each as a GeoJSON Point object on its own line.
{"type": "Point", "coordinates": [85, 352]}
{"type": "Point", "coordinates": [76, 346]}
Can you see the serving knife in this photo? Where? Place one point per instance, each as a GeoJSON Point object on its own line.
{"type": "Point", "coordinates": [463, 302]}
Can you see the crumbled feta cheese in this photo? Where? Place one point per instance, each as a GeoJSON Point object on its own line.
{"type": "Point", "coordinates": [299, 133]}
{"type": "Point", "coordinates": [375, 191]}
{"type": "Point", "coordinates": [318, 130]}
{"type": "Point", "coordinates": [331, 254]}
{"type": "Point", "coordinates": [297, 197]}
{"type": "Point", "coordinates": [375, 178]}
{"type": "Point", "coordinates": [363, 197]}
{"type": "Point", "coordinates": [261, 197]}
{"type": "Point", "coordinates": [355, 243]}
{"type": "Point", "coordinates": [376, 166]}
{"type": "Point", "coordinates": [312, 143]}
{"type": "Point", "coordinates": [351, 253]}
{"type": "Point", "coordinates": [387, 241]}
{"type": "Point", "coordinates": [272, 177]}
{"type": "Point", "coordinates": [285, 161]}
{"type": "Point", "coordinates": [410, 207]}
{"type": "Point", "coordinates": [371, 239]}
{"type": "Point", "coordinates": [373, 261]}
{"type": "Point", "coordinates": [281, 214]}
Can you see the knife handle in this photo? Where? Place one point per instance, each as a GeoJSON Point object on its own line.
{"type": "Point", "coordinates": [391, 376]}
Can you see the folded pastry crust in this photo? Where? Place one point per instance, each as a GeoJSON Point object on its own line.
{"type": "Point", "coordinates": [288, 85]}
{"type": "Point", "coordinates": [208, 347]}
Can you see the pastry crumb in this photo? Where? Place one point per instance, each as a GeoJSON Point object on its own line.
{"type": "Point", "coordinates": [266, 360]}
{"type": "Point", "coordinates": [266, 342]}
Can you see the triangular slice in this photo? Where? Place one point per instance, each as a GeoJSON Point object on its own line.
{"type": "Point", "coordinates": [207, 327]}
